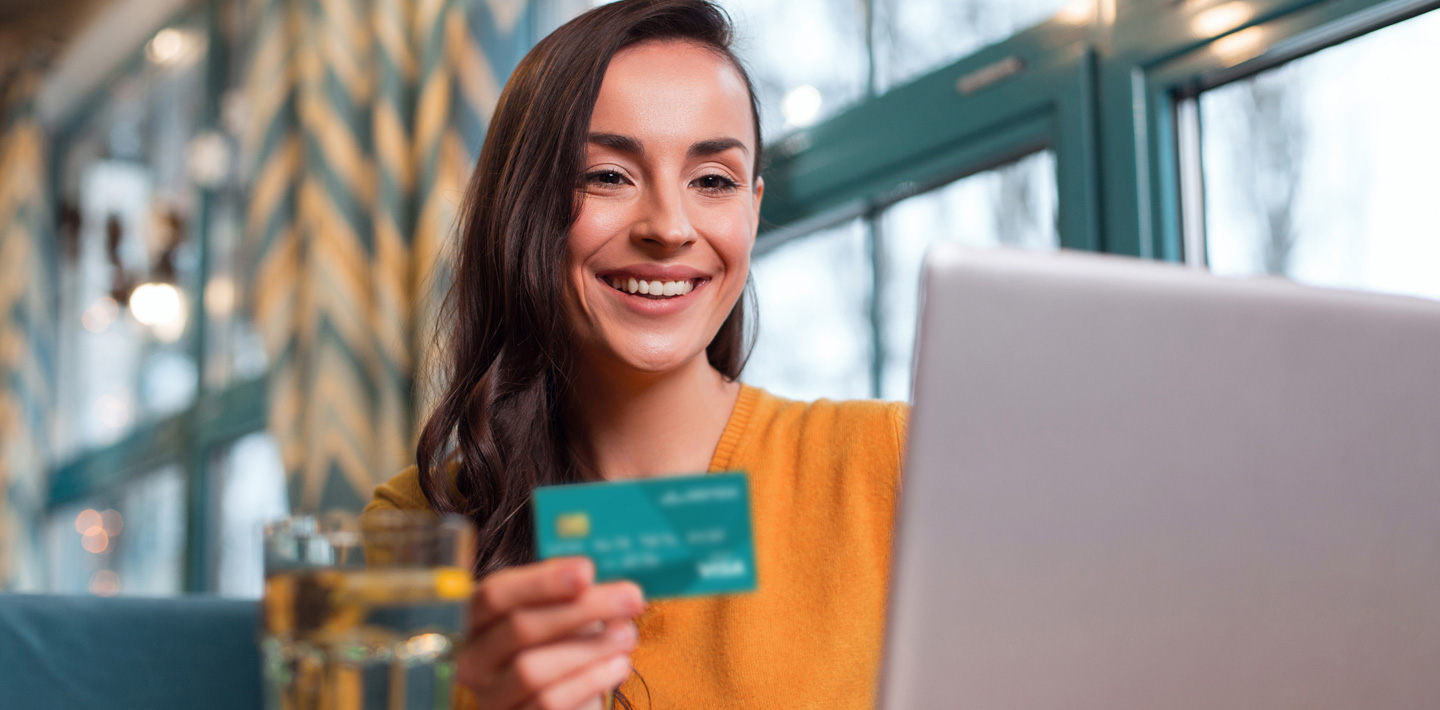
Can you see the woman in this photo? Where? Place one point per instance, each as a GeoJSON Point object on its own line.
{"type": "Point", "coordinates": [596, 331]}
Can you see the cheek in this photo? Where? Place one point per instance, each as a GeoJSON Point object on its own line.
{"type": "Point", "coordinates": [596, 226]}
{"type": "Point", "coordinates": [589, 231]}
{"type": "Point", "coordinates": [732, 233]}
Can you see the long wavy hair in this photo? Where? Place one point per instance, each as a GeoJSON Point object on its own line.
{"type": "Point", "coordinates": [500, 422]}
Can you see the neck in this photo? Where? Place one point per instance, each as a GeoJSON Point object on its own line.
{"type": "Point", "coordinates": [645, 425]}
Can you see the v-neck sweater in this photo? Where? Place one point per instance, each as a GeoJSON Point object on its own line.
{"type": "Point", "coordinates": [824, 477]}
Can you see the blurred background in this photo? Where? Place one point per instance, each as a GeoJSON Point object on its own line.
{"type": "Point", "coordinates": [224, 223]}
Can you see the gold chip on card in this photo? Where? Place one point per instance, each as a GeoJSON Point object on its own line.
{"type": "Point", "coordinates": [572, 525]}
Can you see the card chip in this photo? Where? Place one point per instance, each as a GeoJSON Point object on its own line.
{"type": "Point", "coordinates": [572, 525]}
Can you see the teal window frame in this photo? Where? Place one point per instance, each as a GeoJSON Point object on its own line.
{"type": "Point", "coordinates": [928, 133]}
{"type": "Point", "coordinates": [1103, 97]}
{"type": "Point", "coordinates": [1147, 74]}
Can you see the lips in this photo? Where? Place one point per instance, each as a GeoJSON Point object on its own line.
{"type": "Point", "coordinates": [654, 272]}
{"type": "Point", "coordinates": [654, 282]}
{"type": "Point", "coordinates": [651, 289]}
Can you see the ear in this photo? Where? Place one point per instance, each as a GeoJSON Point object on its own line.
{"type": "Point", "coordinates": [759, 193]}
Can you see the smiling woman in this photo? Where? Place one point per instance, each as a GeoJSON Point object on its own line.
{"type": "Point", "coordinates": [670, 205]}
{"type": "Point", "coordinates": [596, 331]}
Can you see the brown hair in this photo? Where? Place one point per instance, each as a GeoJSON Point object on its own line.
{"type": "Point", "coordinates": [500, 422]}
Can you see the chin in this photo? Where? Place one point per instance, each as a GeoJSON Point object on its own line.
{"type": "Point", "coordinates": [657, 363]}
{"type": "Point", "coordinates": [658, 358]}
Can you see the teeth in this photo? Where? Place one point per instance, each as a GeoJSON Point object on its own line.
{"type": "Point", "coordinates": [651, 288]}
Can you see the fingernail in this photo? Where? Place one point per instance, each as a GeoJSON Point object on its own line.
{"type": "Point", "coordinates": [625, 635]}
{"type": "Point", "coordinates": [580, 575]}
{"type": "Point", "coordinates": [633, 604]}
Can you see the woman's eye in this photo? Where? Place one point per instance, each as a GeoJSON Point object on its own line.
{"type": "Point", "coordinates": [716, 183]}
{"type": "Point", "coordinates": [606, 177]}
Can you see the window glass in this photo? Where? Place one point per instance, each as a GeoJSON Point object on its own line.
{"type": "Point", "coordinates": [814, 319]}
{"type": "Point", "coordinates": [1012, 205]}
{"type": "Point", "coordinates": [233, 348]}
{"type": "Point", "coordinates": [150, 559]}
{"type": "Point", "coordinates": [1323, 169]}
{"type": "Point", "coordinates": [70, 561]}
{"type": "Point", "coordinates": [127, 237]}
{"type": "Point", "coordinates": [129, 542]}
{"type": "Point", "coordinates": [249, 484]}
{"type": "Point", "coordinates": [914, 37]}
{"type": "Point", "coordinates": [808, 58]}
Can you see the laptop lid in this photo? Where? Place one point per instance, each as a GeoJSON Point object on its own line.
{"type": "Point", "coordinates": [1133, 485]}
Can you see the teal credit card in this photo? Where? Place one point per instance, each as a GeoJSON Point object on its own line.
{"type": "Point", "coordinates": [676, 536]}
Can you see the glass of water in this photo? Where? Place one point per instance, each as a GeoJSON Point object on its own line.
{"type": "Point", "coordinates": [364, 613]}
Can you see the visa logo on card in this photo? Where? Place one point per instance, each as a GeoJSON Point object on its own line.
{"type": "Point", "coordinates": [677, 536]}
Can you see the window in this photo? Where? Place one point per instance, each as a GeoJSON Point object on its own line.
{"type": "Point", "coordinates": [1012, 205]}
{"type": "Point", "coordinates": [249, 484]}
{"type": "Point", "coordinates": [814, 316]}
{"type": "Point", "coordinates": [1323, 169]}
{"type": "Point", "coordinates": [807, 58]}
{"type": "Point", "coordinates": [128, 254]}
{"type": "Point", "coordinates": [126, 541]}
{"type": "Point", "coordinates": [913, 37]}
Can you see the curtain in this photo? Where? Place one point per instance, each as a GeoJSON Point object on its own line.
{"type": "Point", "coordinates": [27, 317]}
{"type": "Point", "coordinates": [365, 119]}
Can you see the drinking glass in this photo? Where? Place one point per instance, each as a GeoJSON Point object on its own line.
{"type": "Point", "coordinates": [364, 613]}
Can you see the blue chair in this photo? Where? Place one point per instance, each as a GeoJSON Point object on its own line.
{"type": "Point", "coordinates": [89, 653]}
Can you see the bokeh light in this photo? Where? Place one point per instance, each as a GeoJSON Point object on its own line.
{"type": "Point", "coordinates": [98, 317]}
{"type": "Point", "coordinates": [112, 411]}
{"type": "Point", "coordinates": [87, 519]}
{"type": "Point", "coordinates": [155, 304]}
{"type": "Point", "coordinates": [1224, 18]}
{"type": "Point", "coordinates": [105, 583]}
{"type": "Point", "coordinates": [111, 522]}
{"type": "Point", "coordinates": [95, 540]}
{"type": "Point", "coordinates": [167, 47]}
{"type": "Point", "coordinates": [802, 105]}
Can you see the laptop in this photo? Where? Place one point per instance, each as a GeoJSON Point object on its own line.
{"type": "Point", "coordinates": [1136, 485]}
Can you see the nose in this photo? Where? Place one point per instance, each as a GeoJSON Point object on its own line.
{"type": "Point", "coordinates": [663, 224]}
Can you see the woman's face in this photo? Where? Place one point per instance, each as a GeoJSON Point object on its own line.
{"type": "Point", "coordinates": [661, 250]}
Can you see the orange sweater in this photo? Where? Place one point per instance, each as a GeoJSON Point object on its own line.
{"type": "Point", "coordinates": [823, 480]}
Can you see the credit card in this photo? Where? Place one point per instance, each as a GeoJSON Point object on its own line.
{"type": "Point", "coordinates": [676, 536]}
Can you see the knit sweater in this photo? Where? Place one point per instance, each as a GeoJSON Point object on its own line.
{"type": "Point", "coordinates": [823, 479]}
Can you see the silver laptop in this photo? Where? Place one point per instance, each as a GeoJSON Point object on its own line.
{"type": "Point", "coordinates": [1133, 485]}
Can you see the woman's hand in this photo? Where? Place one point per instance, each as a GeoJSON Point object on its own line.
{"type": "Point", "coordinates": [545, 636]}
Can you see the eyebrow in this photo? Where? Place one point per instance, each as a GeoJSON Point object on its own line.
{"type": "Point", "coordinates": [714, 146]}
{"type": "Point", "coordinates": [701, 149]}
{"type": "Point", "coordinates": [624, 144]}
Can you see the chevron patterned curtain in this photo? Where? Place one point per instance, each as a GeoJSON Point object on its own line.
{"type": "Point", "coordinates": [26, 327]}
{"type": "Point", "coordinates": [366, 117]}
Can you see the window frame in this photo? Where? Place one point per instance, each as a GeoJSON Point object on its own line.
{"type": "Point", "coordinates": [839, 169]}
{"type": "Point", "coordinates": [1148, 76]}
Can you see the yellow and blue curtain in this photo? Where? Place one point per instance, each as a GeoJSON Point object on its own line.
{"type": "Point", "coordinates": [27, 322]}
{"type": "Point", "coordinates": [366, 118]}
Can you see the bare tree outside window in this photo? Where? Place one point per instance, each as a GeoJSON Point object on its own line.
{"type": "Point", "coordinates": [1322, 169]}
{"type": "Point", "coordinates": [1010, 205]}
{"type": "Point", "coordinates": [1264, 120]}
